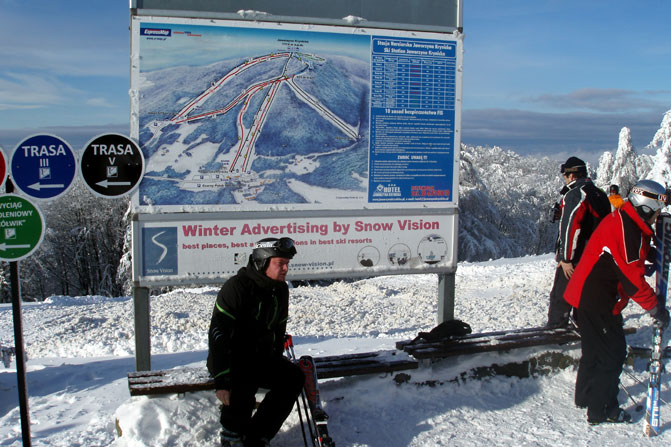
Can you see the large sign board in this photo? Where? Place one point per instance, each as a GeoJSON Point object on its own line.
{"type": "Point", "coordinates": [333, 125]}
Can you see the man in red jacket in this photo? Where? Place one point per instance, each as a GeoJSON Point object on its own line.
{"type": "Point", "coordinates": [612, 270]}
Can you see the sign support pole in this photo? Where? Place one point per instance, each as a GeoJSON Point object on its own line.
{"type": "Point", "coordinates": [446, 286]}
{"type": "Point", "coordinates": [20, 355]}
{"type": "Point", "coordinates": [18, 344]}
{"type": "Point", "coordinates": [142, 329]}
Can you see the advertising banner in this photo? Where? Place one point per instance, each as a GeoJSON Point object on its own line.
{"type": "Point", "coordinates": [178, 251]}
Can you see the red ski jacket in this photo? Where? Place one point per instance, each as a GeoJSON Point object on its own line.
{"type": "Point", "coordinates": [612, 267]}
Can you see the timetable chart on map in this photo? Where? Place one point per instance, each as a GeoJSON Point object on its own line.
{"type": "Point", "coordinates": [413, 95]}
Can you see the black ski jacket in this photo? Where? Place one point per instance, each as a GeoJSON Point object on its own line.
{"type": "Point", "coordinates": [248, 324]}
{"type": "Point", "coordinates": [583, 207]}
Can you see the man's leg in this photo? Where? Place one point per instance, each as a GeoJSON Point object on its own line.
{"type": "Point", "coordinates": [559, 310]}
{"type": "Point", "coordinates": [585, 366]}
{"type": "Point", "coordinates": [284, 380]}
{"type": "Point", "coordinates": [236, 416]}
{"type": "Point", "coordinates": [605, 336]}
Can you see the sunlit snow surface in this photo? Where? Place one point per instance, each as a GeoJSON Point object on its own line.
{"type": "Point", "coordinates": [80, 351]}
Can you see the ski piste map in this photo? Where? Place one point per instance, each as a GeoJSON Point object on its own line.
{"type": "Point", "coordinates": [234, 116]}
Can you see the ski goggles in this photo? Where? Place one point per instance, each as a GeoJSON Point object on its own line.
{"type": "Point", "coordinates": [283, 243]}
{"type": "Point", "coordinates": [650, 195]}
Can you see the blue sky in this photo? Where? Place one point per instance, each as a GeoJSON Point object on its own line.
{"type": "Point", "coordinates": [556, 77]}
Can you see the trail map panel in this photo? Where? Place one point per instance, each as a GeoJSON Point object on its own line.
{"type": "Point", "coordinates": [235, 115]}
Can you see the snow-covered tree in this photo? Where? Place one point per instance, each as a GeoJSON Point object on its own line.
{"type": "Point", "coordinates": [504, 203]}
{"type": "Point", "coordinates": [605, 170]}
{"type": "Point", "coordinates": [625, 173]}
{"type": "Point", "coordinates": [661, 161]}
{"type": "Point", "coordinates": [81, 249]}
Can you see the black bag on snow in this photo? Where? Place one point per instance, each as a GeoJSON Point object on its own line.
{"type": "Point", "coordinates": [446, 329]}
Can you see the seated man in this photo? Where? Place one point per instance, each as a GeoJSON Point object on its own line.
{"type": "Point", "coordinates": [246, 344]}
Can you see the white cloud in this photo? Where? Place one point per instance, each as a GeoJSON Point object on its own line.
{"type": "Point", "coordinates": [19, 107]}
{"type": "Point", "coordinates": [22, 90]}
{"type": "Point", "coordinates": [603, 100]}
{"type": "Point", "coordinates": [99, 102]}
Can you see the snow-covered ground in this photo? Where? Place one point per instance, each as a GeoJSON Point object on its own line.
{"type": "Point", "coordinates": [80, 351]}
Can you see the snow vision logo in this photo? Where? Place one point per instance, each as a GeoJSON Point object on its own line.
{"type": "Point", "coordinates": [159, 251]}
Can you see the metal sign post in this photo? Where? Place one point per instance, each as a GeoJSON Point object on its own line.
{"type": "Point", "coordinates": [20, 354]}
{"type": "Point", "coordinates": [18, 345]}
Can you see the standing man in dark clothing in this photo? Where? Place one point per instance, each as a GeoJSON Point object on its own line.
{"type": "Point", "coordinates": [583, 205]}
{"type": "Point", "coordinates": [246, 345]}
{"type": "Point", "coordinates": [611, 271]}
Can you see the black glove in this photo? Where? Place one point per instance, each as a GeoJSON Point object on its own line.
{"type": "Point", "coordinates": [650, 269]}
{"type": "Point", "coordinates": [555, 213]}
{"type": "Point", "coordinates": [661, 316]}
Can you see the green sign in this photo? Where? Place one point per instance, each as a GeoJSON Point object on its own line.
{"type": "Point", "coordinates": [21, 227]}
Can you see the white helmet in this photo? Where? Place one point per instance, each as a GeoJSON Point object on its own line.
{"type": "Point", "coordinates": [648, 196]}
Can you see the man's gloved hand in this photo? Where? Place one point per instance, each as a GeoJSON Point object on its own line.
{"type": "Point", "coordinates": [661, 316]}
{"type": "Point", "coordinates": [650, 269]}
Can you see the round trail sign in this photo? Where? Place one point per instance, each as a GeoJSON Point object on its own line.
{"type": "Point", "coordinates": [111, 165]}
{"type": "Point", "coordinates": [21, 227]}
{"type": "Point", "coordinates": [3, 168]}
{"type": "Point", "coordinates": [43, 166]}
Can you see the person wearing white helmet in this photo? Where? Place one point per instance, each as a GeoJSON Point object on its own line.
{"type": "Point", "coordinates": [610, 272]}
{"type": "Point", "coordinates": [246, 345]}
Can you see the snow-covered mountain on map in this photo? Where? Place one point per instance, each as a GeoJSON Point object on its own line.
{"type": "Point", "coordinates": [277, 128]}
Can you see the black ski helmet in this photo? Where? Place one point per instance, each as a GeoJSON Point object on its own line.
{"type": "Point", "coordinates": [647, 196]}
{"type": "Point", "coordinates": [574, 165]}
{"type": "Point", "coordinates": [271, 247]}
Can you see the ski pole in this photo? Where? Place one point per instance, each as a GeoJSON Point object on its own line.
{"type": "Point", "coordinates": [640, 382]}
{"type": "Point", "coordinates": [639, 407]}
{"type": "Point", "coordinates": [289, 348]}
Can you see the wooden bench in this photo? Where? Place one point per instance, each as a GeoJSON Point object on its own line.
{"type": "Point", "coordinates": [491, 341]}
{"type": "Point", "coordinates": [406, 357]}
{"type": "Point", "coordinates": [181, 380]}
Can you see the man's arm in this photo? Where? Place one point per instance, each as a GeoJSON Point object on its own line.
{"type": "Point", "coordinates": [569, 226]}
{"type": "Point", "coordinates": [220, 337]}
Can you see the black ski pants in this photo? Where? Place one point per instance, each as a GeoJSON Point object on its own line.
{"type": "Point", "coordinates": [284, 382]}
{"type": "Point", "coordinates": [604, 350]}
{"type": "Point", "coordinates": [559, 310]}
